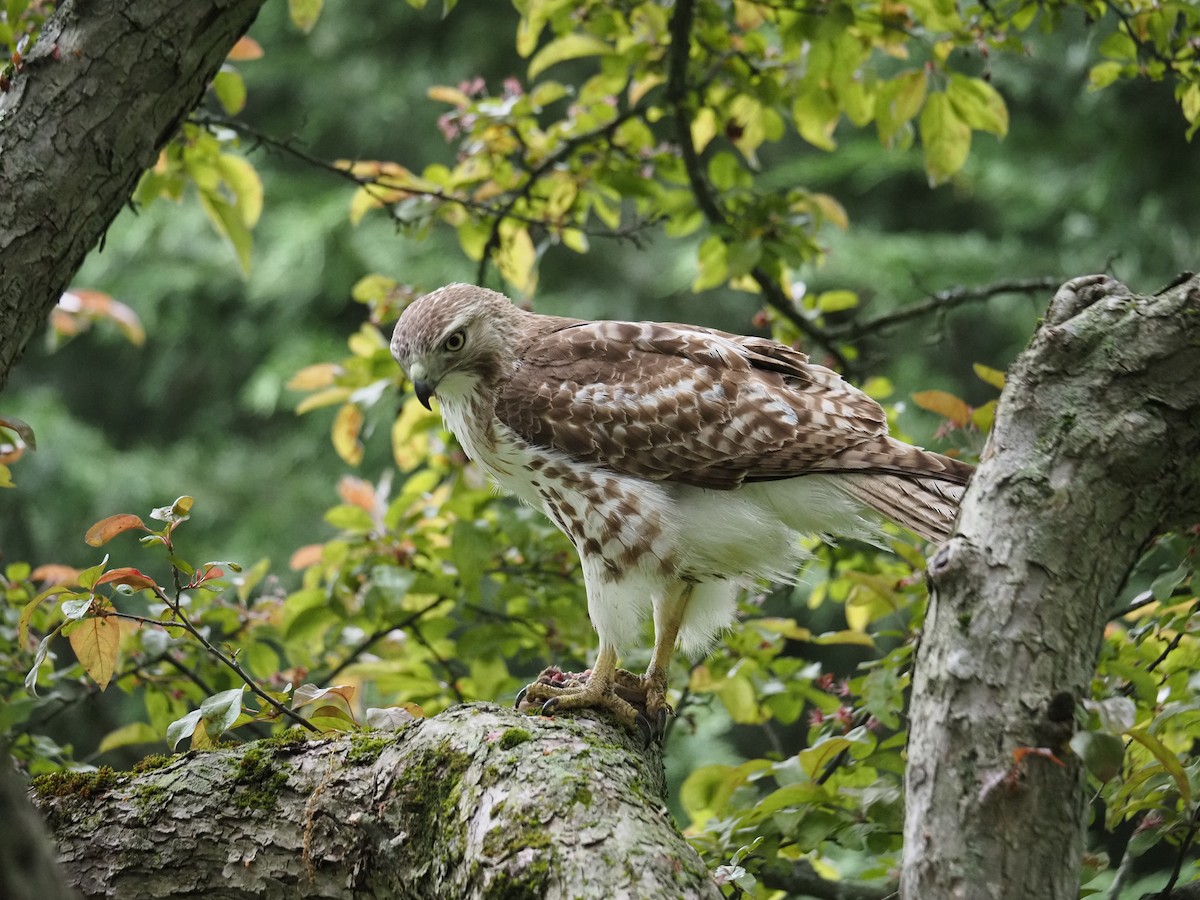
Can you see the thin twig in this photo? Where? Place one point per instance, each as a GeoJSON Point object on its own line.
{"type": "Point", "coordinates": [369, 641]}
{"type": "Point", "coordinates": [941, 302]}
{"type": "Point", "coordinates": [227, 661]}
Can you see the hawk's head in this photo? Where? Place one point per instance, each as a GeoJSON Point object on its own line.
{"type": "Point", "coordinates": [453, 338]}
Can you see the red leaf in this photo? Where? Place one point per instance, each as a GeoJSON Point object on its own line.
{"type": "Point", "coordinates": [128, 576]}
{"type": "Point", "coordinates": [107, 529]}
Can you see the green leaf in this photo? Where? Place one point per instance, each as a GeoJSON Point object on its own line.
{"type": "Point", "coordinates": [946, 138]}
{"type": "Point", "coordinates": [978, 104]}
{"type": "Point", "coordinates": [897, 101]}
{"type": "Point", "coordinates": [220, 711]}
{"type": "Point", "coordinates": [1103, 74]}
{"type": "Point", "coordinates": [304, 13]}
{"type": "Point", "coordinates": [1102, 753]}
{"type": "Point", "coordinates": [836, 301]}
{"type": "Point", "coordinates": [569, 46]}
{"type": "Point", "coordinates": [230, 89]}
{"type": "Point", "coordinates": [227, 220]}
{"type": "Point", "coordinates": [816, 116]}
{"type": "Point", "coordinates": [1168, 759]}
{"type": "Point", "coordinates": [185, 726]}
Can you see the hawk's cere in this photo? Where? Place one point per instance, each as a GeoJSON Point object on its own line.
{"type": "Point", "coordinates": [682, 462]}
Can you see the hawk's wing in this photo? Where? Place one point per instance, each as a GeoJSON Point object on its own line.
{"type": "Point", "coordinates": [678, 403]}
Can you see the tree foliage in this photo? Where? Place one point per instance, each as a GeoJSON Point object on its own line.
{"type": "Point", "coordinates": [632, 120]}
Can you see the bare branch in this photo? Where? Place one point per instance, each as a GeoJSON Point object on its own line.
{"type": "Point", "coordinates": [942, 302]}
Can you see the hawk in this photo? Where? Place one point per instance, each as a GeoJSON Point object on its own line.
{"type": "Point", "coordinates": [682, 462]}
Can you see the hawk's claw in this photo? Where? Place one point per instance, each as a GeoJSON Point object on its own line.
{"type": "Point", "coordinates": [520, 696]}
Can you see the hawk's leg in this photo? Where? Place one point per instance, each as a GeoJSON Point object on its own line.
{"type": "Point", "coordinates": [635, 700]}
{"type": "Point", "coordinates": [600, 688]}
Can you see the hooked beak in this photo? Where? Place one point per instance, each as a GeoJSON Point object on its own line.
{"type": "Point", "coordinates": [423, 390]}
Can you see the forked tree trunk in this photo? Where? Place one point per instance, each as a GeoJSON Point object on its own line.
{"type": "Point", "coordinates": [476, 802]}
{"type": "Point", "coordinates": [1095, 450]}
{"type": "Point", "coordinates": [106, 85]}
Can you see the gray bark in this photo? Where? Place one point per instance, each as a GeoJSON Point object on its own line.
{"type": "Point", "coordinates": [1096, 449]}
{"type": "Point", "coordinates": [476, 802]}
{"type": "Point", "coordinates": [106, 85]}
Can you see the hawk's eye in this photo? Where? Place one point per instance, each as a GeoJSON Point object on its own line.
{"type": "Point", "coordinates": [455, 342]}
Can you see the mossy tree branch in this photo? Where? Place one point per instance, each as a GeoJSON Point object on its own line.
{"type": "Point", "coordinates": [476, 802]}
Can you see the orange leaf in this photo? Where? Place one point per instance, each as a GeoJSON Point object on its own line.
{"type": "Point", "coordinates": [306, 556]}
{"type": "Point", "coordinates": [944, 404]}
{"type": "Point", "coordinates": [245, 49]}
{"type": "Point", "coordinates": [55, 573]}
{"type": "Point", "coordinates": [95, 642]}
{"type": "Point", "coordinates": [107, 529]}
{"type": "Point", "coordinates": [357, 492]}
{"type": "Point", "coordinates": [128, 576]}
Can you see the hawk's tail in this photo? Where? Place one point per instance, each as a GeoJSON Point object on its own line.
{"type": "Point", "coordinates": [923, 504]}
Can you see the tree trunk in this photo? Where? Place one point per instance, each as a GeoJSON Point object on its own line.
{"type": "Point", "coordinates": [27, 867]}
{"type": "Point", "coordinates": [476, 802]}
{"type": "Point", "coordinates": [106, 85]}
{"type": "Point", "coordinates": [1096, 449]}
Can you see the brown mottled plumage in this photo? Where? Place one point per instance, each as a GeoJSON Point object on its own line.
{"type": "Point", "coordinates": [681, 461]}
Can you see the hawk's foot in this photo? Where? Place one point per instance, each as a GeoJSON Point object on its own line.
{"type": "Point", "coordinates": [636, 701]}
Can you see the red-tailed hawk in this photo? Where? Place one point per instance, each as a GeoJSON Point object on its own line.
{"type": "Point", "coordinates": [682, 462]}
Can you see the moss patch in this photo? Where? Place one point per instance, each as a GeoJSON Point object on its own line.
{"type": "Point", "coordinates": [514, 737]}
{"type": "Point", "coordinates": [84, 785]}
{"type": "Point", "coordinates": [154, 761]}
{"type": "Point", "coordinates": [365, 748]}
{"type": "Point", "coordinates": [430, 791]}
{"type": "Point", "coordinates": [260, 777]}
{"type": "Point", "coordinates": [529, 884]}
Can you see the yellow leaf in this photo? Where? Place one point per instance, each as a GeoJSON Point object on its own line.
{"type": "Point", "coordinates": [364, 200]}
{"type": "Point", "coordinates": [326, 397]}
{"type": "Point", "coordinates": [245, 184]}
{"type": "Point", "coordinates": [569, 46]}
{"type": "Point", "coordinates": [994, 377]}
{"type": "Point", "coordinates": [310, 378]}
{"type": "Point", "coordinates": [704, 128]}
{"type": "Point", "coordinates": [347, 426]}
{"type": "Point", "coordinates": [944, 404]}
{"type": "Point", "coordinates": [410, 435]}
{"type": "Point", "coordinates": [443, 94]}
{"type": "Point", "coordinates": [831, 210]}
{"type": "Point", "coordinates": [516, 257]}
{"type": "Point", "coordinates": [95, 642]}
